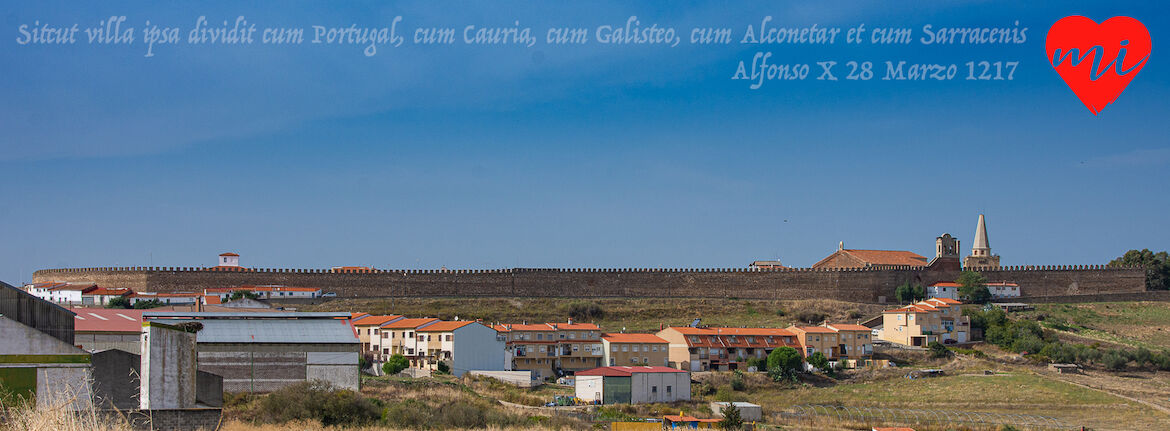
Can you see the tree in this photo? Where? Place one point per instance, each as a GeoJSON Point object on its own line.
{"type": "Point", "coordinates": [784, 363]}
{"type": "Point", "coordinates": [731, 418]}
{"type": "Point", "coordinates": [973, 287]}
{"type": "Point", "coordinates": [395, 365]}
{"type": "Point", "coordinates": [818, 360]}
{"type": "Point", "coordinates": [1157, 266]}
{"type": "Point", "coordinates": [119, 302]}
{"type": "Point", "coordinates": [239, 294]}
{"type": "Point", "coordinates": [153, 303]}
{"type": "Point", "coordinates": [443, 368]}
{"type": "Point", "coordinates": [938, 350]}
{"type": "Point", "coordinates": [910, 292]}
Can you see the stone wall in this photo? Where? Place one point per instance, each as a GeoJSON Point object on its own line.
{"type": "Point", "coordinates": [848, 284]}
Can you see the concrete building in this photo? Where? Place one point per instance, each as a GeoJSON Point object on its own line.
{"type": "Point", "coordinates": [633, 385]}
{"type": "Point", "coordinates": [262, 352]}
{"type": "Point", "coordinates": [634, 349]}
{"type": "Point", "coordinates": [462, 345]}
{"type": "Point", "coordinates": [102, 296]}
{"type": "Point", "coordinates": [108, 328]}
{"type": "Point", "coordinates": [70, 293]}
{"type": "Point", "coordinates": [981, 256]}
{"type": "Point", "coordinates": [168, 366]}
{"type": "Point", "coordinates": [177, 298]}
{"type": "Point", "coordinates": [747, 411]}
{"type": "Point", "coordinates": [919, 324]}
{"type": "Point", "coordinates": [578, 347]}
{"type": "Point", "coordinates": [37, 355]}
{"type": "Point", "coordinates": [722, 349]}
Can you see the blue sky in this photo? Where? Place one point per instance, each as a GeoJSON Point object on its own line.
{"type": "Point", "coordinates": [590, 156]}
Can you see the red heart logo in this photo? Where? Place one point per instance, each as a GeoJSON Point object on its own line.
{"type": "Point", "coordinates": [1097, 60]}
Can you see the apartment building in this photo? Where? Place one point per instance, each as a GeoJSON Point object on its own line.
{"type": "Point", "coordinates": [634, 349]}
{"type": "Point", "coordinates": [369, 330]}
{"type": "Point", "coordinates": [553, 349]}
{"type": "Point", "coordinates": [578, 347]}
{"type": "Point", "coordinates": [919, 324]}
{"type": "Point", "coordinates": [835, 340]}
{"type": "Point", "coordinates": [400, 337]}
{"type": "Point", "coordinates": [533, 347]}
{"type": "Point", "coordinates": [463, 345]}
{"type": "Point", "coordinates": [715, 348]}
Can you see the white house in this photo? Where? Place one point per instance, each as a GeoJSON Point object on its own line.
{"type": "Point", "coordinates": [1003, 289]}
{"type": "Point", "coordinates": [166, 298]}
{"type": "Point", "coordinates": [70, 293]}
{"type": "Point", "coordinates": [620, 385]}
{"type": "Point", "coordinates": [229, 259]}
{"type": "Point", "coordinates": [943, 289]}
{"type": "Point", "coordinates": [266, 292]}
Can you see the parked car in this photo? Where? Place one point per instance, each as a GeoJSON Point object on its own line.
{"type": "Point", "coordinates": [949, 341]}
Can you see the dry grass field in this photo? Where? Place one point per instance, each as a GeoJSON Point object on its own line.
{"type": "Point", "coordinates": [1135, 324]}
{"type": "Point", "coordinates": [640, 314]}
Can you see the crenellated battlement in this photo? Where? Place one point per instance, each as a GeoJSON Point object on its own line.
{"type": "Point", "coordinates": [866, 284]}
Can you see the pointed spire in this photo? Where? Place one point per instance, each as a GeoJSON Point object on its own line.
{"type": "Point", "coordinates": [981, 238]}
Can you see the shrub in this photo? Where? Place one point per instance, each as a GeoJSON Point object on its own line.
{"type": "Point", "coordinates": [853, 314]}
{"type": "Point", "coordinates": [818, 360]}
{"type": "Point", "coordinates": [731, 418]}
{"type": "Point", "coordinates": [443, 368]}
{"type": "Point", "coordinates": [153, 303]}
{"type": "Point", "coordinates": [937, 350]}
{"type": "Point", "coordinates": [761, 364]}
{"type": "Point", "coordinates": [810, 316]}
{"type": "Point", "coordinates": [119, 302]}
{"type": "Point", "coordinates": [737, 383]}
{"type": "Point", "coordinates": [581, 310]}
{"type": "Point", "coordinates": [318, 400]}
{"type": "Point", "coordinates": [784, 363]}
{"type": "Point", "coordinates": [1162, 361]}
{"type": "Point", "coordinates": [460, 415]}
{"type": "Point", "coordinates": [1143, 356]}
{"type": "Point", "coordinates": [780, 312]}
{"type": "Point", "coordinates": [395, 365]}
{"type": "Point", "coordinates": [409, 414]}
{"type": "Point", "coordinates": [1114, 361]}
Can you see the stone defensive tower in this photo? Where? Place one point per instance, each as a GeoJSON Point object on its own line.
{"type": "Point", "coordinates": [981, 249]}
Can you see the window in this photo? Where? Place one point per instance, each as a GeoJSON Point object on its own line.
{"type": "Point", "coordinates": [634, 348]}
{"type": "Point", "coordinates": [625, 348]}
{"type": "Point", "coordinates": [669, 389]}
{"type": "Point", "coordinates": [655, 348]}
{"type": "Point", "coordinates": [613, 347]}
{"type": "Point", "coordinates": [645, 360]}
{"type": "Point", "coordinates": [539, 336]}
{"type": "Point", "coordinates": [654, 389]}
{"type": "Point", "coordinates": [448, 337]}
{"type": "Point", "coordinates": [572, 335]}
{"type": "Point", "coordinates": [575, 346]}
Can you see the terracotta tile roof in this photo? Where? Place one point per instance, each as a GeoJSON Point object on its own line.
{"type": "Point", "coordinates": [625, 371]}
{"type": "Point", "coordinates": [229, 254]}
{"type": "Point", "coordinates": [108, 291]}
{"type": "Point", "coordinates": [445, 326]}
{"type": "Point", "coordinates": [375, 320]}
{"type": "Point", "coordinates": [814, 329]}
{"type": "Point", "coordinates": [530, 327]}
{"type": "Point", "coordinates": [945, 284]}
{"type": "Point", "coordinates": [108, 320]}
{"type": "Point", "coordinates": [407, 323]}
{"type": "Point", "coordinates": [576, 326]}
{"type": "Point", "coordinates": [212, 299]}
{"type": "Point", "coordinates": [632, 338]}
{"type": "Point", "coordinates": [1002, 283]}
{"type": "Point", "coordinates": [849, 327]}
{"type": "Point", "coordinates": [737, 337]}
{"type": "Point", "coordinates": [499, 328]}
{"type": "Point", "coordinates": [888, 257]}
{"type": "Point", "coordinates": [82, 287]}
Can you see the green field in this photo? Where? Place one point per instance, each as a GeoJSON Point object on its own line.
{"type": "Point", "coordinates": [1138, 324]}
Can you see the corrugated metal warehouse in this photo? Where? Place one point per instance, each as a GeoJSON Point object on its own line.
{"type": "Point", "coordinates": [262, 352]}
